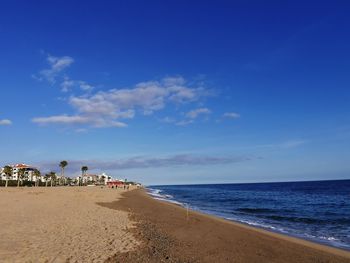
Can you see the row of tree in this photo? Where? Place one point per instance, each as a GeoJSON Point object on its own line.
{"type": "Point", "coordinates": [51, 176]}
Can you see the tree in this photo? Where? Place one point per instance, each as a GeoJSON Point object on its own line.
{"type": "Point", "coordinates": [83, 172]}
{"type": "Point", "coordinates": [69, 181]}
{"type": "Point", "coordinates": [52, 177]}
{"type": "Point", "coordinates": [103, 179]}
{"type": "Point", "coordinates": [63, 164]}
{"type": "Point", "coordinates": [8, 172]}
{"type": "Point", "coordinates": [37, 175]}
{"type": "Point", "coordinates": [47, 177]}
{"type": "Point", "coordinates": [20, 175]}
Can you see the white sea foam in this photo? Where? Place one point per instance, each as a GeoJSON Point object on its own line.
{"type": "Point", "coordinates": [329, 238]}
{"type": "Point", "coordinates": [156, 194]}
{"type": "Point", "coordinates": [257, 224]}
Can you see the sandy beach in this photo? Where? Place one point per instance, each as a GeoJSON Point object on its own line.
{"type": "Point", "coordinates": [167, 235]}
{"type": "Point", "coordinates": [61, 224]}
{"type": "Point", "coordinates": [93, 224]}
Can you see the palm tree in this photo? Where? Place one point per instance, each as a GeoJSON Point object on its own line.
{"type": "Point", "coordinates": [52, 177]}
{"type": "Point", "coordinates": [37, 175]}
{"type": "Point", "coordinates": [83, 172]}
{"type": "Point", "coordinates": [20, 175]}
{"type": "Point", "coordinates": [47, 177]}
{"type": "Point", "coordinates": [8, 172]}
{"type": "Point", "coordinates": [63, 164]}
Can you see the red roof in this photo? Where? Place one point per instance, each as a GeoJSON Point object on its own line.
{"type": "Point", "coordinates": [22, 165]}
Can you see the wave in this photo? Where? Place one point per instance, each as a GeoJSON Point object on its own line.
{"type": "Point", "coordinates": [157, 194]}
{"type": "Point", "coordinates": [257, 210]}
{"type": "Point", "coordinates": [307, 220]}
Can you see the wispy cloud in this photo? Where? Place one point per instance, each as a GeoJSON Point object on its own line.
{"type": "Point", "coordinates": [68, 84]}
{"type": "Point", "coordinates": [292, 143]}
{"type": "Point", "coordinates": [193, 114]}
{"type": "Point", "coordinates": [288, 144]}
{"type": "Point", "coordinates": [5, 122]}
{"type": "Point", "coordinates": [57, 73]}
{"type": "Point", "coordinates": [183, 122]}
{"type": "Point", "coordinates": [167, 120]}
{"type": "Point", "coordinates": [61, 119]}
{"type": "Point", "coordinates": [107, 108]}
{"type": "Point", "coordinates": [56, 66]}
{"type": "Point", "coordinates": [231, 115]}
{"type": "Point", "coordinates": [78, 120]}
{"type": "Point", "coordinates": [148, 162]}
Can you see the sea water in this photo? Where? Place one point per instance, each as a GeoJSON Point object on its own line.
{"type": "Point", "coordinates": [318, 211]}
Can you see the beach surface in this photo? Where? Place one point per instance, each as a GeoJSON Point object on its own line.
{"type": "Point", "coordinates": [93, 224]}
{"type": "Point", "coordinates": [166, 233]}
{"type": "Point", "coordinates": [62, 224]}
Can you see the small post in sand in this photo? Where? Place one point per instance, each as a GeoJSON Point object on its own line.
{"type": "Point", "coordinates": [187, 212]}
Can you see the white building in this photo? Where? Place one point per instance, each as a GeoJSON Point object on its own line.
{"type": "Point", "coordinates": [95, 179]}
{"type": "Point", "coordinates": [28, 172]}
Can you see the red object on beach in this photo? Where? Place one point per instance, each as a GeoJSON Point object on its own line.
{"type": "Point", "coordinates": [115, 183]}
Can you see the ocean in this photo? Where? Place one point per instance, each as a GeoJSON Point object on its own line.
{"type": "Point", "coordinates": [318, 211]}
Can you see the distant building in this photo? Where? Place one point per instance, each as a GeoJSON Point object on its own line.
{"type": "Point", "coordinates": [100, 179]}
{"type": "Point", "coordinates": [28, 172]}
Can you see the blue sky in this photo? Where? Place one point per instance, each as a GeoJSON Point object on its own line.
{"type": "Point", "coordinates": [172, 92]}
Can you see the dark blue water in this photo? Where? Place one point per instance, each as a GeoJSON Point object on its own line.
{"type": "Point", "coordinates": [317, 211]}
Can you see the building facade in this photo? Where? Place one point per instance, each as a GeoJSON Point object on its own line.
{"type": "Point", "coordinates": [99, 179]}
{"type": "Point", "coordinates": [28, 173]}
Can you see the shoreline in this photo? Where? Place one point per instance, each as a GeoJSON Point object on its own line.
{"type": "Point", "coordinates": [167, 235]}
{"type": "Point", "coordinates": [256, 227]}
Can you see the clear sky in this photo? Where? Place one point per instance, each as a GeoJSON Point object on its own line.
{"type": "Point", "coordinates": [173, 92]}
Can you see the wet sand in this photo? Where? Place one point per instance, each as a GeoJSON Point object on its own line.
{"type": "Point", "coordinates": [61, 224]}
{"type": "Point", "coordinates": [166, 234]}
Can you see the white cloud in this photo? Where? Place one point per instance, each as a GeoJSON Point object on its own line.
{"type": "Point", "coordinates": [167, 120]}
{"type": "Point", "coordinates": [292, 143]}
{"type": "Point", "coordinates": [231, 115]}
{"type": "Point", "coordinates": [5, 122]}
{"type": "Point", "coordinates": [61, 119]}
{"type": "Point", "coordinates": [85, 86]}
{"type": "Point", "coordinates": [57, 65]}
{"type": "Point", "coordinates": [193, 114]}
{"type": "Point", "coordinates": [183, 122]}
{"type": "Point", "coordinates": [68, 84]}
{"type": "Point", "coordinates": [106, 108]}
{"type": "Point", "coordinates": [78, 120]}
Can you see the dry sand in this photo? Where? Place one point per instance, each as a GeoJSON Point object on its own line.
{"type": "Point", "coordinates": [61, 224]}
{"type": "Point", "coordinates": [167, 236]}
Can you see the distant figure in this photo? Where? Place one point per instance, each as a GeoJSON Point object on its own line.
{"type": "Point", "coordinates": [127, 187]}
{"type": "Point", "coordinates": [124, 186]}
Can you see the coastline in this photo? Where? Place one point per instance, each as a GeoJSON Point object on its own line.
{"type": "Point", "coordinates": [167, 235]}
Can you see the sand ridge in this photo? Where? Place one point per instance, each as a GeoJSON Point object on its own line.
{"type": "Point", "coordinates": [62, 224]}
